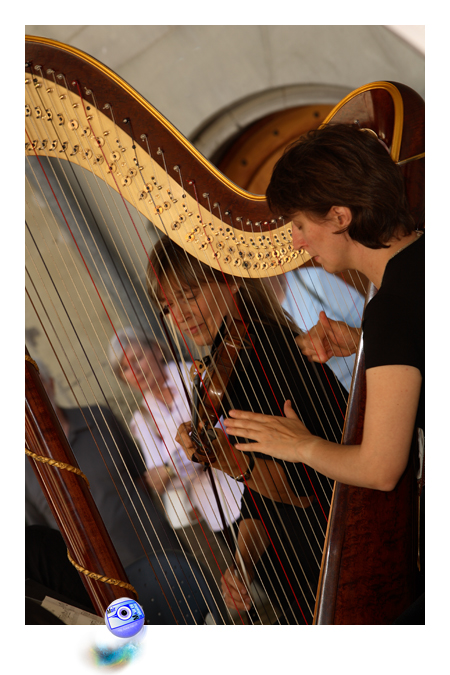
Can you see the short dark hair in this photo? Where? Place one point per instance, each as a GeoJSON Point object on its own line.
{"type": "Point", "coordinates": [343, 165]}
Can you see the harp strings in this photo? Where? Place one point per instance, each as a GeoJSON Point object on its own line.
{"type": "Point", "coordinates": [118, 228]}
{"type": "Point", "coordinates": [74, 284]}
{"type": "Point", "coordinates": [199, 283]}
{"type": "Point", "coordinates": [99, 365]}
{"type": "Point", "coordinates": [188, 579]}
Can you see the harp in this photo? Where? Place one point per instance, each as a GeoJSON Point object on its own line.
{"type": "Point", "coordinates": [83, 120]}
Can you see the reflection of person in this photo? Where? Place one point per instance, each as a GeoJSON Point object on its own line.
{"type": "Point", "coordinates": [283, 506]}
{"type": "Point", "coordinates": [111, 462]}
{"type": "Point", "coordinates": [186, 491]}
{"type": "Point", "coordinates": [348, 207]}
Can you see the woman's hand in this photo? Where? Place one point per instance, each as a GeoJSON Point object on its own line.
{"type": "Point", "coordinates": [184, 439]}
{"type": "Point", "coordinates": [328, 338]}
{"type": "Point", "coordinates": [224, 455]}
{"type": "Point", "coordinates": [235, 591]}
{"type": "Point", "coordinates": [193, 452]}
{"type": "Point", "coordinates": [279, 437]}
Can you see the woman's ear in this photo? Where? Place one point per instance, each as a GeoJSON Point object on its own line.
{"type": "Point", "coordinates": [342, 215]}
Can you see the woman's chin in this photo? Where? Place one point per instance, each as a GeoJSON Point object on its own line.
{"type": "Point", "coordinates": [199, 340]}
{"type": "Point", "coordinates": [196, 335]}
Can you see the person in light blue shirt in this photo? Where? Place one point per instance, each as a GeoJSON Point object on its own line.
{"type": "Point", "coordinates": [311, 290]}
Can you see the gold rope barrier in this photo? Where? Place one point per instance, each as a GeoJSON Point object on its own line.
{"type": "Point", "coordinates": [59, 465]}
{"type": "Point", "coordinates": [83, 570]}
{"type": "Point", "coordinates": [47, 460]}
{"type": "Point", "coordinates": [78, 472]}
{"type": "Point", "coordinates": [99, 577]}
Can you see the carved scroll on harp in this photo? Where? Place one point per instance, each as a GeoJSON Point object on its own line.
{"type": "Point", "coordinates": [80, 112]}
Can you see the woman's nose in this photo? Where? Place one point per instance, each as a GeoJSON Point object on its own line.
{"type": "Point", "coordinates": [297, 239]}
{"type": "Point", "coordinates": [180, 311]}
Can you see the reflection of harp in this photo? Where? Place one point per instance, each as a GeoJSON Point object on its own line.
{"type": "Point", "coordinates": [78, 110]}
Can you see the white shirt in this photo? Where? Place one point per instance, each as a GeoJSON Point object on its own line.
{"type": "Point", "coordinates": [155, 427]}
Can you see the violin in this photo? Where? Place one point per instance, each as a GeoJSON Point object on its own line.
{"type": "Point", "coordinates": [211, 378]}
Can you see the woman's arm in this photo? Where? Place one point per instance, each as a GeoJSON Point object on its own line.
{"type": "Point", "coordinates": [378, 462]}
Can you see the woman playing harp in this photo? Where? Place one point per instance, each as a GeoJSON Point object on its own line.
{"type": "Point", "coordinates": [347, 201]}
{"type": "Point", "coordinates": [284, 506]}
